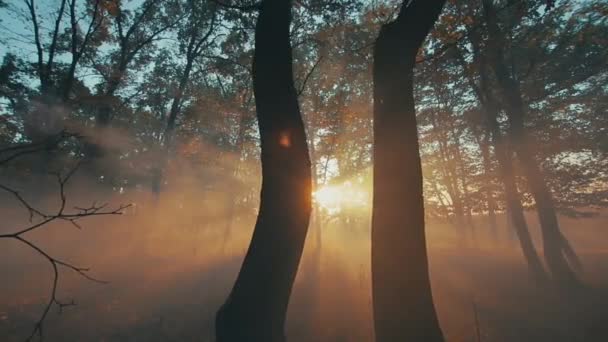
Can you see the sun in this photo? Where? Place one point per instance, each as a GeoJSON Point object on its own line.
{"type": "Point", "coordinates": [334, 198]}
{"type": "Point", "coordinates": [328, 196]}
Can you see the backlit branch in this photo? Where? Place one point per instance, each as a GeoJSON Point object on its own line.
{"type": "Point", "coordinates": [310, 72]}
{"type": "Point", "coordinates": [61, 214]}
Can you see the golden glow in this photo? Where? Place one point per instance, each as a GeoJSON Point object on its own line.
{"type": "Point", "coordinates": [284, 140]}
{"type": "Point", "coordinates": [335, 198]}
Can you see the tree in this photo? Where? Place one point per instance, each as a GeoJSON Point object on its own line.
{"type": "Point", "coordinates": [256, 307]}
{"type": "Point", "coordinates": [45, 120]}
{"type": "Point", "coordinates": [135, 33]}
{"type": "Point", "coordinates": [401, 290]}
{"type": "Point", "coordinates": [504, 157]}
{"type": "Point", "coordinates": [557, 249]}
{"type": "Point", "coordinates": [476, 76]}
{"type": "Point", "coordinates": [558, 70]}
{"type": "Point", "coordinates": [81, 40]}
{"type": "Point", "coordinates": [40, 219]}
{"type": "Point", "coordinates": [195, 42]}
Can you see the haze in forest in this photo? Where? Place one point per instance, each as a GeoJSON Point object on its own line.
{"type": "Point", "coordinates": [137, 138]}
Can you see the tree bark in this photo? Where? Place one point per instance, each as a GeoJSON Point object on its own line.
{"type": "Point", "coordinates": [401, 290]}
{"type": "Point", "coordinates": [256, 307]}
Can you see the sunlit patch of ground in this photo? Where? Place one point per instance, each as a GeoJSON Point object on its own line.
{"type": "Point", "coordinates": [170, 269]}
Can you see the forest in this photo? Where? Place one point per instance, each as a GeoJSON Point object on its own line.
{"type": "Point", "coordinates": [304, 170]}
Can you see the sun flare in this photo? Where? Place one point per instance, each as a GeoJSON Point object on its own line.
{"type": "Point", "coordinates": [335, 198]}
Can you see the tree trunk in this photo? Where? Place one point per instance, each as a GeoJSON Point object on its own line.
{"type": "Point", "coordinates": [232, 194]}
{"type": "Point", "coordinates": [167, 137]}
{"type": "Point", "coordinates": [512, 197]}
{"type": "Point", "coordinates": [556, 247]}
{"type": "Point", "coordinates": [515, 210]}
{"type": "Point", "coordinates": [256, 308]}
{"type": "Point", "coordinates": [401, 289]}
{"type": "Point", "coordinates": [104, 114]}
{"type": "Point", "coordinates": [103, 117]}
{"type": "Point", "coordinates": [466, 198]}
{"type": "Point", "coordinates": [484, 145]}
{"type": "Point", "coordinates": [107, 106]}
{"type": "Point", "coordinates": [450, 180]}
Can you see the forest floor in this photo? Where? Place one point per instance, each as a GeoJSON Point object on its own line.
{"type": "Point", "coordinates": [168, 280]}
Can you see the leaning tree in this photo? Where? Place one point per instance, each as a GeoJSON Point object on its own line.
{"type": "Point", "coordinates": [257, 305]}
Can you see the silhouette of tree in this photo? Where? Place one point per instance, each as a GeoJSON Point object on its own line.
{"type": "Point", "coordinates": [401, 289]}
{"type": "Point", "coordinates": [257, 305]}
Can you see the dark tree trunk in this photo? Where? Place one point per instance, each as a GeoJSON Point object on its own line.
{"type": "Point", "coordinates": [449, 174]}
{"type": "Point", "coordinates": [512, 197]}
{"type": "Point", "coordinates": [107, 105]}
{"type": "Point", "coordinates": [491, 201]}
{"type": "Point", "coordinates": [484, 143]}
{"type": "Point", "coordinates": [45, 122]}
{"type": "Point", "coordinates": [194, 49]}
{"type": "Point", "coordinates": [77, 48]}
{"type": "Point", "coordinates": [515, 210]}
{"type": "Point", "coordinates": [557, 250]}
{"type": "Point", "coordinates": [401, 289]}
{"type": "Point", "coordinates": [460, 164]}
{"type": "Point", "coordinates": [103, 117]}
{"type": "Point", "coordinates": [167, 137]}
{"type": "Point", "coordinates": [256, 308]}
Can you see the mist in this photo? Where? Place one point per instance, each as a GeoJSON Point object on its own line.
{"type": "Point", "coordinates": [170, 262]}
{"type": "Point", "coordinates": [294, 171]}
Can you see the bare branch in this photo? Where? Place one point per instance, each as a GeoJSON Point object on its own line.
{"type": "Point", "coordinates": [22, 149]}
{"type": "Point", "coordinates": [60, 214]}
{"type": "Point", "coordinates": [310, 72]}
{"type": "Point", "coordinates": [252, 7]}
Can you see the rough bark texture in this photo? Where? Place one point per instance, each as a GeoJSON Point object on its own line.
{"type": "Point", "coordinates": [256, 308]}
{"type": "Point", "coordinates": [401, 290]}
{"type": "Point", "coordinates": [557, 250]}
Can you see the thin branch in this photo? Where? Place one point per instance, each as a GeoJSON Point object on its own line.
{"type": "Point", "coordinates": [310, 72]}
{"type": "Point", "coordinates": [60, 214]}
{"type": "Point", "coordinates": [32, 211]}
{"type": "Point", "coordinates": [19, 150]}
{"type": "Point", "coordinates": [252, 7]}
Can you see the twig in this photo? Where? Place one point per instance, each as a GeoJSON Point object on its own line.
{"type": "Point", "coordinates": [60, 214]}
{"type": "Point", "coordinates": [22, 149]}
{"type": "Point", "coordinates": [310, 72]}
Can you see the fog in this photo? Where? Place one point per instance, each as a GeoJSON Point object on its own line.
{"type": "Point", "coordinates": [132, 136]}
{"type": "Point", "coordinates": [170, 261]}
